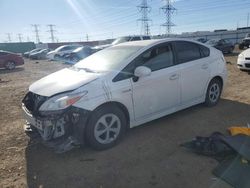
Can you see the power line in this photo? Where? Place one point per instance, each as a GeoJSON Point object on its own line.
{"type": "Point", "coordinates": [36, 30]}
{"type": "Point", "coordinates": [20, 37]}
{"type": "Point", "coordinates": [168, 9]}
{"type": "Point", "coordinates": [144, 9]}
{"type": "Point", "coordinates": [51, 30]}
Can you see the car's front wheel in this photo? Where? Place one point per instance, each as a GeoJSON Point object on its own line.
{"type": "Point", "coordinates": [10, 65]}
{"type": "Point", "coordinates": [213, 92]}
{"type": "Point", "coordinates": [105, 127]}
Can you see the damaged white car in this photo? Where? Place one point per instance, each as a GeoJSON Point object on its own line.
{"type": "Point", "coordinates": [121, 87]}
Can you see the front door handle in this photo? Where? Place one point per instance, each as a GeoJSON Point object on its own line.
{"type": "Point", "coordinates": [174, 77]}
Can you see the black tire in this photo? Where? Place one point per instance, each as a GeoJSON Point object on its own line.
{"type": "Point", "coordinates": [10, 65]}
{"type": "Point", "coordinates": [241, 46]}
{"type": "Point", "coordinates": [213, 95]}
{"type": "Point", "coordinates": [94, 124]}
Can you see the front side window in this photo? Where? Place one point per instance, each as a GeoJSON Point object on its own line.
{"type": "Point", "coordinates": [187, 51]}
{"type": "Point", "coordinates": [156, 58]}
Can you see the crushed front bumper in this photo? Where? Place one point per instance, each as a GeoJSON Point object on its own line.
{"type": "Point", "coordinates": [61, 132]}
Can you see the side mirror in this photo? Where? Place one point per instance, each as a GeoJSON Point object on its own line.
{"type": "Point", "coordinates": [142, 71]}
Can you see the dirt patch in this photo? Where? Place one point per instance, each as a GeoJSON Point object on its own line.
{"type": "Point", "coordinates": [149, 156]}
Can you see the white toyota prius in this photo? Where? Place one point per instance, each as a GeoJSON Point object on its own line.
{"type": "Point", "coordinates": [121, 87]}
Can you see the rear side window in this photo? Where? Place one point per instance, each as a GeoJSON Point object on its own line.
{"type": "Point", "coordinates": [188, 51]}
{"type": "Point", "coordinates": [205, 52]}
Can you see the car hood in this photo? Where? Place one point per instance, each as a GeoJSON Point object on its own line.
{"type": "Point", "coordinates": [246, 53]}
{"type": "Point", "coordinates": [62, 81]}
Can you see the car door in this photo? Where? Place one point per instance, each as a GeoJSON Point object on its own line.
{"type": "Point", "coordinates": [193, 60]}
{"type": "Point", "coordinates": [159, 91]}
{"type": "Point", "coordinates": [2, 59]}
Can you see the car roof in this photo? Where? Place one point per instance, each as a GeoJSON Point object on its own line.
{"type": "Point", "coordinates": [144, 43]}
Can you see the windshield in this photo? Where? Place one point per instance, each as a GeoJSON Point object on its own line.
{"type": "Point", "coordinates": [108, 59]}
{"type": "Point", "coordinates": [120, 40]}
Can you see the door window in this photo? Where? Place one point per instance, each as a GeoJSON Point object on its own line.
{"type": "Point", "coordinates": [187, 51]}
{"type": "Point", "coordinates": [156, 58]}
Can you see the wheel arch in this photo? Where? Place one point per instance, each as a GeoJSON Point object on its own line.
{"type": "Point", "coordinates": [119, 105]}
{"type": "Point", "coordinates": [220, 79]}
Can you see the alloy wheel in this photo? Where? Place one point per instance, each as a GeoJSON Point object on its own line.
{"type": "Point", "coordinates": [107, 128]}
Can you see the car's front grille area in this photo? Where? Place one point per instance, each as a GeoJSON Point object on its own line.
{"type": "Point", "coordinates": [33, 102]}
{"type": "Point", "coordinates": [247, 65]}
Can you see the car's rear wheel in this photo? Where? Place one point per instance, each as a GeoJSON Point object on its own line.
{"type": "Point", "coordinates": [105, 127]}
{"type": "Point", "coordinates": [213, 92]}
{"type": "Point", "coordinates": [10, 65]}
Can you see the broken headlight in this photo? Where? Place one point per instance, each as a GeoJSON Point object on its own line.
{"type": "Point", "coordinates": [61, 102]}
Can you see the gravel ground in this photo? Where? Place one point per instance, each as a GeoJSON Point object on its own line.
{"type": "Point", "coordinates": [148, 156]}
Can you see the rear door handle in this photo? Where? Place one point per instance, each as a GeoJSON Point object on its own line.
{"type": "Point", "coordinates": [204, 66]}
{"type": "Point", "coordinates": [174, 77]}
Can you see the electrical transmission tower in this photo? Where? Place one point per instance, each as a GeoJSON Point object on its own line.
{"type": "Point", "coordinates": [9, 37]}
{"type": "Point", "coordinates": [144, 9]}
{"type": "Point", "coordinates": [168, 10]}
{"type": "Point", "coordinates": [36, 30]}
{"type": "Point", "coordinates": [20, 37]}
{"type": "Point", "coordinates": [51, 30]}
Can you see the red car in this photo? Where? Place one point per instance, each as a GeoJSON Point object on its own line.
{"type": "Point", "coordinates": [10, 60]}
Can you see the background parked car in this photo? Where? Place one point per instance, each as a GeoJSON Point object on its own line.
{"type": "Point", "coordinates": [60, 51]}
{"type": "Point", "coordinates": [202, 40]}
{"type": "Point", "coordinates": [221, 44]}
{"type": "Point", "coordinates": [10, 60]}
{"type": "Point", "coordinates": [121, 40]}
{"type": "Point", "coordinates": [244, 60]}
{"type": "Point", "coordinates": [245, 42]}
{"type": "Point", "coordinates": [27, 54]}
{"type": "Point", "coordinates": [78, 54]}
{"type": "Point", "coordinates": [40, 54]}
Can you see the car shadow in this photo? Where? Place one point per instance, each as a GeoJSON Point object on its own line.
{"type": "Point", "coordinates": [17, 69]}
{"type": "Point", "coordinates": [148, 155]}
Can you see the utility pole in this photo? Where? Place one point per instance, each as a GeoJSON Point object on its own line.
{"type": "Point", "coordinates": [51, 30]}
{"type": "Point", "coordinates": [168, 10]}
{"type": "Point", "coordinates": [144, 9]}
{"type": "Point", "coordinates": [36, 30]}
{"type": "Point", "coordinates": [9, 36]}
{"type": "Point", "coordinates": [248, 14]}
{"type": "Point", "coordinates": [20, 37]}
{"type": "Point", "coordinates": [87, 37]}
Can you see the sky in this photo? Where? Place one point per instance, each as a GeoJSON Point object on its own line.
{"type": "Point", "coordinates": [102, 19]}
